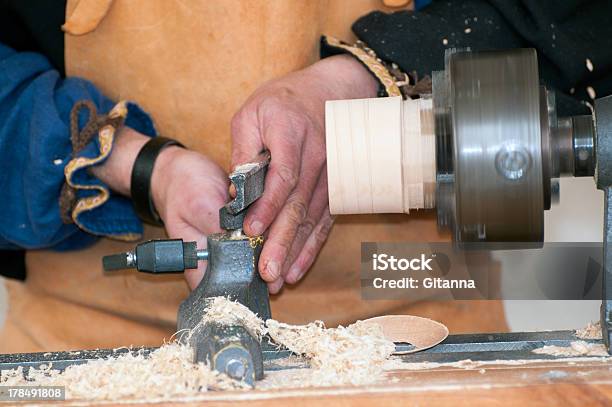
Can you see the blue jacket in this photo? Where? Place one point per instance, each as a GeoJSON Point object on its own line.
{"type": "Point", "coordinates": [35, 147]}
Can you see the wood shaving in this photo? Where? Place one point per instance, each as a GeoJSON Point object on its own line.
{"type": "Point", "coordinates": [576, 348]}
{"type": "Point", "coordinates": [353, 355]}
{"type": "Point", "coordinates": [395, 364]}
{"type": "Point", "coordinates": [164, 374]}
{"type": "Point", "coordinates": [591, 331]}
{"type": "Point", "coordinates": [226, 312]}
{"type": "Point", "coordinates": [292, 362]}
{"type": "Point", "coordinates": [245, 167]}
{"type": "Point", "coordinates": [398, 364]}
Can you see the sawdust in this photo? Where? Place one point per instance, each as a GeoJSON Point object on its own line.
{"type": "Point", "coordinates": [227, 312]}
{"type": "Point", "coordinates": [352, 355]}
{"type": "Point", "coordinates": [395, 364]}
{"type": "Point", "coordinates": [355, 355]}
{"type": "Point", "coordinates": [292, 361]}
{"type": "Point", "coordinates": [344, 355]}
{"type": "Point", "coordinates": [399, 364]}
{"type": "Point", "coordinates": [591, 331]}
{"type": "Point", "coordinates": [337, 356]}
{"type": "Point", "coordinates": [166, 373]}
{"type": "Point", "coordinates": [576, 348]}
{"type": "Point", "coordinates": [245, 167]}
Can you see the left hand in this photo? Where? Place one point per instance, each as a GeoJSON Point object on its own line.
{"type": "Point", "coordinates": [188, 189]}
{"type": "Point", "coordinates": [286, 116]}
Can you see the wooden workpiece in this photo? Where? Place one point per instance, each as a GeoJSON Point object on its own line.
{"type": "Point", "coordinates": [555, 383]}
{"type": "Point", "coordinates": [380, 155]}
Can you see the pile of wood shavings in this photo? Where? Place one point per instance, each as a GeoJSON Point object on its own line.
{"type": "Point", "coordinates": [345, 355]}
{"type": "Point", "coordinates": [576, 348]}
{"type": "Point", "coordinates": [353, 355]}
{"type": "Point", "coordinates": [591, 331]}
{"type": "Point", "coordinates": [226, 312]}
{"type": "Point", "coordinates": [164, 374]}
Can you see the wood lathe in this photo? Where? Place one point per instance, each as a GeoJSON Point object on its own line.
{"type": "Point", "coordinates": [489, 152]}
{"type": "Point", "coordinates": [486, 149]}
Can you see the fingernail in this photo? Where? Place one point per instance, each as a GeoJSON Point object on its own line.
{"type": "Point", "coordinates": [256, 227]}
{"type": "Point", "coordinates": [273, 269]}
{"type": "Point", "coordinates": [294, 275]}
{"type": "Point", "coordinates": [276, 286]}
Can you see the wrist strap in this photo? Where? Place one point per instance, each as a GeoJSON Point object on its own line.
{"type": "Point", "coordinates": [140, 188]}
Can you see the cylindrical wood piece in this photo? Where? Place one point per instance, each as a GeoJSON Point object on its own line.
{"type": "Point", "coordinates": [380, 155]}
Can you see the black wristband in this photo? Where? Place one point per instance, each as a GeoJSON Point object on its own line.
{"type": "Point", "coordinates": [140, 188]}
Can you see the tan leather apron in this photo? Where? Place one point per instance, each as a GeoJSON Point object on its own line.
{"type": "Point", "coordinates": [191, 64]}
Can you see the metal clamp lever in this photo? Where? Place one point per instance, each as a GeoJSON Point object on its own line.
{"type": "Point", "coordinates": [248, 180]}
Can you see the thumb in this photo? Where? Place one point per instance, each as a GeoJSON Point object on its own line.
{"type": "Point", "coordinates": [247, 140]}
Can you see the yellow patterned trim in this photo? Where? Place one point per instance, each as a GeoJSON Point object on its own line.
{"type": "Point", "coordinates": [106, 136]}
{"type": "Point", "coordinates": [376, 67]}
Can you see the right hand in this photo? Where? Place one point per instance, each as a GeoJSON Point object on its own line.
{"type": "Point", "coordinates": [286, 116]}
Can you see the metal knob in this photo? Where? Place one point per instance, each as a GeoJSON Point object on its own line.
{"type": "Point", "coordinates": [157, 256]}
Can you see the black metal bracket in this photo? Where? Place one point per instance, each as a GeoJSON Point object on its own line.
{"type": "Point", "coordinates": [603, 176]}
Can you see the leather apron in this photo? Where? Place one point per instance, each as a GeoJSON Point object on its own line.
{"type": "Point", "coordinates": [191, 64]}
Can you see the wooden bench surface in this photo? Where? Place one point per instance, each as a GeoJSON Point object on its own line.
{"type": "Point", "coordinates": [575, 383]}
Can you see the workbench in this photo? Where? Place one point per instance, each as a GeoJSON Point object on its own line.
{"type": "Point", "coordinates": [580, 383]}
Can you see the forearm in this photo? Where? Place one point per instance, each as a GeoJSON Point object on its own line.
{"type": "Point", "coordinates": [116, 171]}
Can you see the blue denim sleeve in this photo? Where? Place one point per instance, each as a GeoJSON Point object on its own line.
{"type": "Point", "coordinates": [35, 151]}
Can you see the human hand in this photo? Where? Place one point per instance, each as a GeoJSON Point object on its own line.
{"type": "Point", "coordinates": [286, 116]}
{"type": "Point", "coordinates": [188, 189]}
